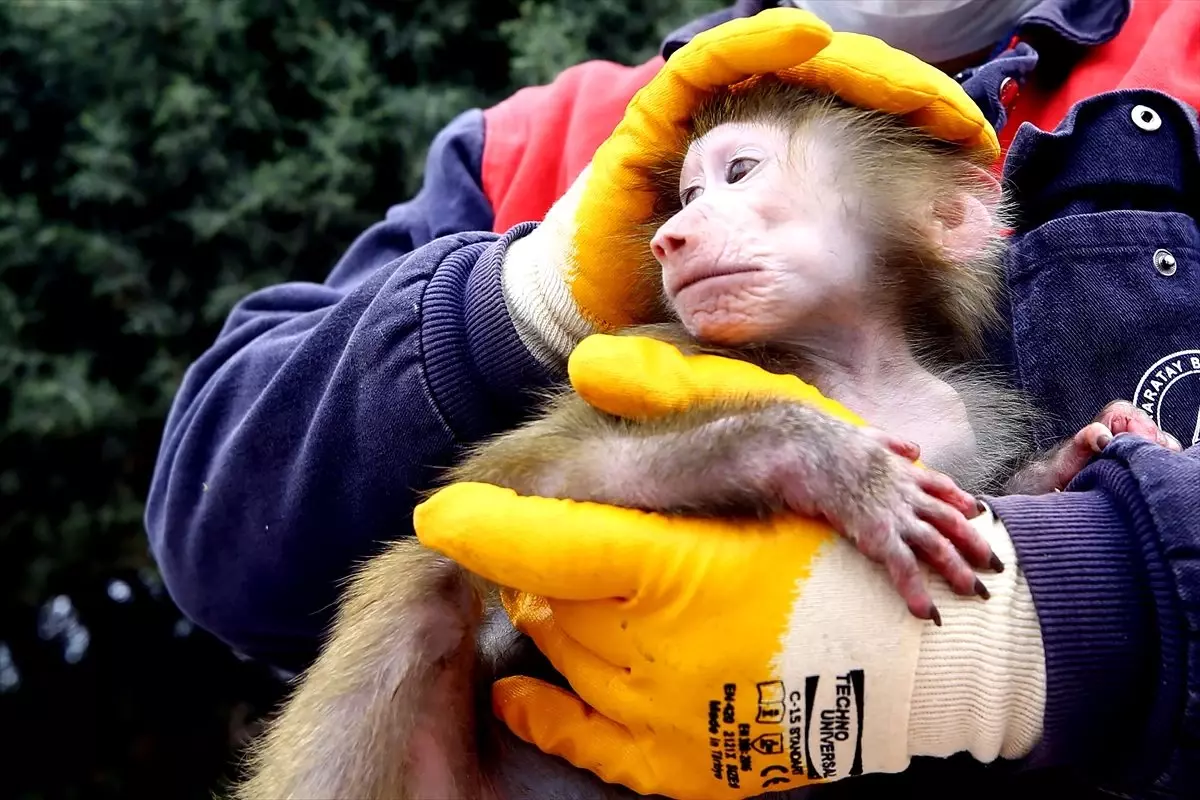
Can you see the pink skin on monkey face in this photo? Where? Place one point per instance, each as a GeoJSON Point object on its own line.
{"type": "Point", "coordinates": [776, 232]}
{"type": "Point", "coordinates": [766, 236]}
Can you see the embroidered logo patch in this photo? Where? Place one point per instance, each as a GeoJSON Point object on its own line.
{"type": "Point", "coordinates": [1170, 393]}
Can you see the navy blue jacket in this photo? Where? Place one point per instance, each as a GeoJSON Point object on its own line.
{"type": "Point", "coordinates": [298, 443]}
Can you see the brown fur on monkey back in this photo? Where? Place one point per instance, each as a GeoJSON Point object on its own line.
{"type": "Point", "coordinates": [389, 592]}
{"type": "Point", "coordinates": [951, 302]}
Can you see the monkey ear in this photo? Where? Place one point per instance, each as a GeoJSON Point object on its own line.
{"type": "Point", "coordinates": [965, 222]}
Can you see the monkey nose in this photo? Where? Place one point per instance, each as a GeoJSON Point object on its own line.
{"type": "Point", "coordinates": [666, 244]}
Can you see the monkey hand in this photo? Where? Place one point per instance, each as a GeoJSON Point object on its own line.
{"type": "Point", "coordinates": [1060, 466]}
{"type": "Point", "coordinates": [894, 511]}
{"type": "Point", "coordinates": [714, 659]}
{"type": "Point", "coordinates": [864, 482]}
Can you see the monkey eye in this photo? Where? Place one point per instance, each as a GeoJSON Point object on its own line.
{"type": "Point", "coordinates": [739, 168]}
{"type": "Point", "coordinates": [689, 194]}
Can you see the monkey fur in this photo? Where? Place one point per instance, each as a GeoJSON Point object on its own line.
{"type": "Point", "coordinates": [397, 705]}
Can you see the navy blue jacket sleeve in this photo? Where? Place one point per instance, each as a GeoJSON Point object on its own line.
{"type": "Point", "coordinates": [1113, 565]}
{"type": "Point", "coordinates": [300, 440]}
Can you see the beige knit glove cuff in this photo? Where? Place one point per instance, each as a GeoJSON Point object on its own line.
{"type": "Point", "coordinates": [980, 682]}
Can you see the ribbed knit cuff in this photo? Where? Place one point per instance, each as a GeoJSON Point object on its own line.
{"type": "Point", "coordinates": [480, 373]}
{"type": "Point", "coordinates": [543, 309]}
{"type": "Point", "coordinates": [1083, 567]}
{"type": "Point", "coordinates": [980, 680]}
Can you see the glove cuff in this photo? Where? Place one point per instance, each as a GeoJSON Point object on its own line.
{"type": "Point", "coordinates": [980, 682]}
{"type": "Point", "coordinates": [543, 310]}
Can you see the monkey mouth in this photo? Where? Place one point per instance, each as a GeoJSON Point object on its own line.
{"type": "Point", "coordinates": [687, 278]}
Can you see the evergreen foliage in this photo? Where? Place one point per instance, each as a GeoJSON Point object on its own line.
{"type": "Point", "coordinates": [159, 160]}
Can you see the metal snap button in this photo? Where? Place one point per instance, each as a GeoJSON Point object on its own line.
{"type": "Point", "coordinates": [1146, 118]}
{"type": "Point", "coordinates": [1165, 262]}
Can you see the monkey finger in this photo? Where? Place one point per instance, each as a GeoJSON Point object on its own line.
{"type": "Point", "coordinates": [905, 574]}
{"type": "Point", "coordinates": [951, 524]}
{"type": "Point", "coordinates": [1093, 438]}
{"type": "Point", "coordinates": [897, 444]}
{"type": "Point", "coordinates": [557, 722]}
{"type": "Point", "coordinates": [1164, 439]}
{"type": "Point", "coordinates": [1116, 408]}
{"type": "Point", "coordinates": [935, 550]}
{"type": "Point", "coordinates": [945, 489]}
{"type": "Point", "coordinates": [1123, 416]}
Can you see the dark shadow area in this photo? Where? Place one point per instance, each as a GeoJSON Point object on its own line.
{"type": "Point", "coordinates": [107, 692]}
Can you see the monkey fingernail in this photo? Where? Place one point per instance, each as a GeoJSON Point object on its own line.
{"type": "Point", "coordinates": [980, 506]}
{"type": "Point", "coordinates": [981, 590]}
{"type": "Point", "coordinates": [996, 564]}
{"type": "Point", "coordinates": [1102, 441]}
{"type": "Point", "coordinates": [934, 615]}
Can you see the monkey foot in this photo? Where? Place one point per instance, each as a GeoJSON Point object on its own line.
{"type": "Point", "coordinates": [1117, 419]}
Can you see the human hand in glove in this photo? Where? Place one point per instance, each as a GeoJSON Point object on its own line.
{"type": "Point", "coordinates": [714, 658]}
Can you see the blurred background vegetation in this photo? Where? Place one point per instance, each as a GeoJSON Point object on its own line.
{"type": "Point", "coordinates": [158, 160]}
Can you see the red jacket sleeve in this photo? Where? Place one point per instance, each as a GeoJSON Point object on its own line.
{"type": "Point", "coordinates": [1158, 48]}
{"type": "Point", "coordinates": [538, 140]}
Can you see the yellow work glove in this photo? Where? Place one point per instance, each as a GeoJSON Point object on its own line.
{"type": "Point", "coordinates": [580, 271]}
{"type": "Point", "coordinates": [576, 274]}
{"type": "Point", "coordinates": [641, 378]}
{"type": "Point", "coordinates": [714, 659]}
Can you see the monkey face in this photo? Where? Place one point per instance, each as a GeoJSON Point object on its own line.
{"type": "Point", "coordinates": [770, 238]}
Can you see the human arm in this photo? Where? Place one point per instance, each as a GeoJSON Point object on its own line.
{"type": "Point", "coordinates": [1112, 567]}
{"type": "Point", "coordinates": [273, 476]}
{"type": "Point", "coordinates": [299, 441]}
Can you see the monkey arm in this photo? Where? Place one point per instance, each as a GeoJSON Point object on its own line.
{"type": "Point", "coordinates": [722, 458]}
{"type": "Point", "coordinates": [749, 458]}
{"type": "Point", "coordinates": [709, 460]}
